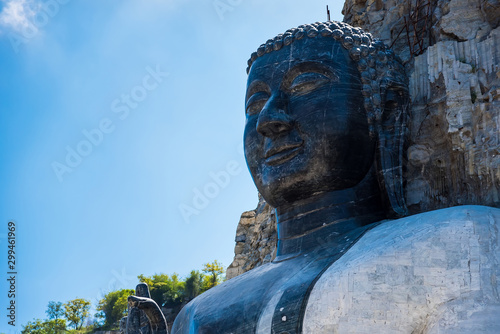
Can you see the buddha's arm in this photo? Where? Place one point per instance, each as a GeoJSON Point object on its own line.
{"type": "Point", "coordinates": [153, 312]}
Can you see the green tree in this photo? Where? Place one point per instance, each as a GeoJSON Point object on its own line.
{"type": "Point", "coordinates": [55, 310]}
{"type": "Point", "coordinates": [174, 289]}
{"type": "Point", "coordinates": [112, 307]}
{"type": "Point", "coordinates": [38, 326]}
{"type": "Point", "coordinates": [193, 285]}
{"type": "Point", "coordinates": [215, 272]}
{"type": "Point", "coordinates": [164, 289]}
{"type": "Point", "coordinates": [76, 311]}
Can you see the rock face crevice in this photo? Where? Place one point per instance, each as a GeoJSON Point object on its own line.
{"type": "Point", "coordinates": [452, 57]}
{"type": "Point", "coordinates": [454, 151]}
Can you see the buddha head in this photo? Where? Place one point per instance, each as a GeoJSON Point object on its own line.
{"type": "Point", "coordinates": [326, 104]}
{"type": "Point", "coordinates": [142, 290]}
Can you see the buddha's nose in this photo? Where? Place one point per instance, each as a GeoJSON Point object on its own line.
{"type": "Point", "coordinates": [273, 120]}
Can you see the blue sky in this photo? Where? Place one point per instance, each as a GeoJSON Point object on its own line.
{"type": "Point", "coordinates": [122, 124]}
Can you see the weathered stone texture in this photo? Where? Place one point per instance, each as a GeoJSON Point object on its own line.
{"type": "Point", "coordinates": [435, 20]}
{"type": "Point", "coordinates": [463, 20]}
{"type": "Point", "coordinates": [453, 156]}
{"type": "Point", "coordinates": [429, 273]}
{"type": "Point", "coordinates": [255, 239]}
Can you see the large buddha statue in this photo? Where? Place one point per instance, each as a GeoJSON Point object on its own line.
{"type": "Point", "coordinates": [326, 111]}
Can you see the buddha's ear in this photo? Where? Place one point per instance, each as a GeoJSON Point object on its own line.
{"type": "Point", "coordinates": [391, 131]}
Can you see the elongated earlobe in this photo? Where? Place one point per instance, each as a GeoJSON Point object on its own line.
{"type": "Point", "coordinates": [391, 132]}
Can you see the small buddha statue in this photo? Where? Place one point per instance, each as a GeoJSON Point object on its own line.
{"type": "Point", "coordinates": [326, 112]}
{"type": "Point", "coordinates": [144, 315]}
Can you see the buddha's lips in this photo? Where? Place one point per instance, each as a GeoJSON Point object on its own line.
{"type": "Point", "coordinates": [280, 154]}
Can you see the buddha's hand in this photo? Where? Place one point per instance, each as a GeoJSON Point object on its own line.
{"type": "Point", "coordinates": [153, 312]}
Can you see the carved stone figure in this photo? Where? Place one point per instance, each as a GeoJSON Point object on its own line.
{"type": "Point", "coordinates": [123, 325]}
{"type": "Point", "coordinates": [326, 109]}
{"type": "Point", "coordinates": [144, 315]}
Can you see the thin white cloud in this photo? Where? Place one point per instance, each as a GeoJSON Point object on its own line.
{"type": "Point", "coordinates": [17, 15]}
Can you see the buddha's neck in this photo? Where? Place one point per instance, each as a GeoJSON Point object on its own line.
{"type": "Point", "coordinates": [333, 214]}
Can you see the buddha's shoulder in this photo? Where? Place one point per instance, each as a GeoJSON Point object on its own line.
{"type": "Point", "coordinates": [220, 305]}
{"type": "Point", "coordinates": [247, 280]}
{"type": "Point", "coordinates": [409, 272]}
{"type": "Point", "coordinates": [448, 226]}
{"type": "Point", "coordinates": [429, 237]}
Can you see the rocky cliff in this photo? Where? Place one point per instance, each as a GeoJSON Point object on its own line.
{"type": "Point", "coordinates": [255, 239]}
{"type": "Point", "coordinates": [452, 55]}
{"type": "Point", "coordinates": [451, 50]}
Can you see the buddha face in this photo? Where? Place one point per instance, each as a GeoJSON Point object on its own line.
{"type": "Point", "coordinates": [142, 290]}
{"type": "Point", "coordinates": [306, 127]}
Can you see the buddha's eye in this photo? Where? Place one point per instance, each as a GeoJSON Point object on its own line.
{"type": "Point", "coordinates": [308, 82]}
{"type": "Point", "coordinates": [256, 102]}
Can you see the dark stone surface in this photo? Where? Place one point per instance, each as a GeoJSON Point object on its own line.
{"type": "Point", "coordinates": [237, 306]}
{"type": "Point", "coordinates": [324, 138]}
{"type": "Point", "coordinates": [144, 315]}
{"type": "Point", "coordinates": [123, 325]}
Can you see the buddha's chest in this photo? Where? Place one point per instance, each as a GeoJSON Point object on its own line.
{"type": "Point", "coordinates": [270, 299]}
{"type": "Point", "coordinates": [429, 273]}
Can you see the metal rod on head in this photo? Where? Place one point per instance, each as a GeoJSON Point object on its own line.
{"type": "Point", "coordinates": [327, 13]}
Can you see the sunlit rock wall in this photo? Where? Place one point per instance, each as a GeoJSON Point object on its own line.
{"type": "Point", "coordinates": [452, 54]}
{"type": "Point", "coordinates": [255, 239]}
